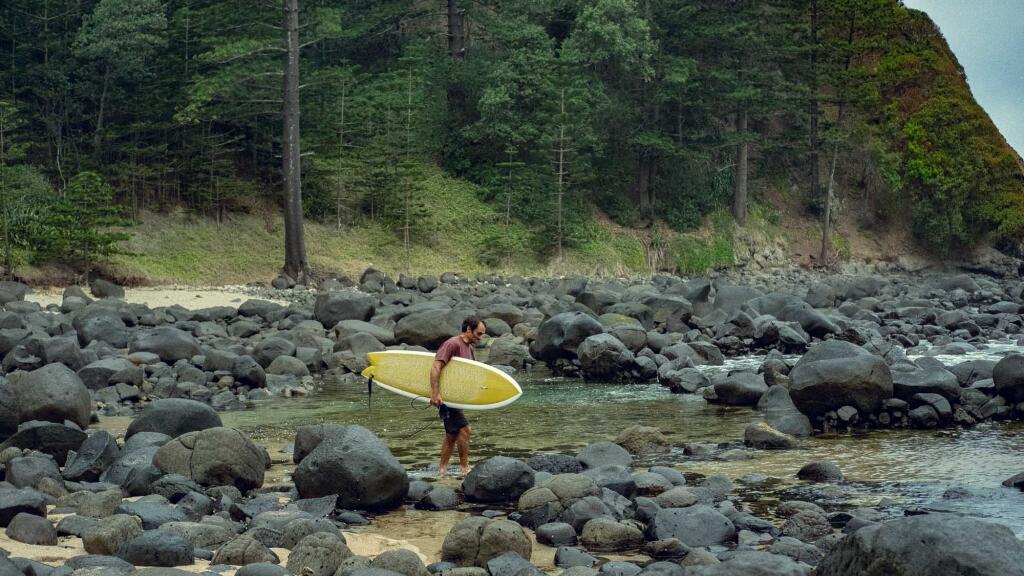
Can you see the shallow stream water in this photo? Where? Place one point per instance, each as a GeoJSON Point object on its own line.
{"type": "Point", "coordinates": [953, 470]}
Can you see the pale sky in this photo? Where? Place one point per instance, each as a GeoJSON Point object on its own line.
{"type": "Point", "coordinates": [987, 37]}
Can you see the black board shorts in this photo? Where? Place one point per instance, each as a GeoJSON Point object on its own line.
{"type": "Point", "coordinates": [453, 418]}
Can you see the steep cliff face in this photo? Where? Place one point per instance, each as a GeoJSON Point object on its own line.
{"type": "Point", "coordinates": [945, 166]}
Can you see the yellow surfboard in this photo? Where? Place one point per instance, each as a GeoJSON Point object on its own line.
{"type": "Point", "coordinates": [465, 384]}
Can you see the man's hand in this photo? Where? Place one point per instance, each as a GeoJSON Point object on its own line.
{"type": "Point", "coordinates": [435, 386]}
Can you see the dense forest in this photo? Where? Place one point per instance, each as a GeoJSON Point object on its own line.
{"type": "Point", "coordinates": [655, 112]}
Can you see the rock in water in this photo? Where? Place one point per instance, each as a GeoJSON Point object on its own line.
{"type": "Point", "coordinates": [352, 462]}
{"type": "Point", "coordinates": [174, 417]}
{"type": "Point", "coordinates": [214, 457]}
{"type": "Point", "coordinates": [561, 335]}
{"type": "Point", "coordinates": [834, 374]}
{"type": "Point", "coordinates": [497, 479]}
{"type": "Point", "coordinates": [1008, 375]}
{"type": "Point", "coordinates": [752, 563]}
{"type": "Point", "coordinates": [929, 545]}
{"type": "Point", "coordinates": [694, 526]}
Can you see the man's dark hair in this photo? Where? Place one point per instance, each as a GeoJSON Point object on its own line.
{"type": "Point", "coordinates": [471, 324]}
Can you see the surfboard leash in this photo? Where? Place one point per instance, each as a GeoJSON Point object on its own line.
{"type": "Point", "coordinates": [369, 407]}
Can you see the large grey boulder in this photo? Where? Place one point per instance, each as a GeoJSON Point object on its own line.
{"type": "Point", "coordinates": [931, 380]}
{"type": "Point", "coordinates": [170, 344]}
{"type": "Point", "coordinates": [109, 371]}
{"type": "Point", "coordinates": [51, 438]}
{"type": "Point", "coordinates": [752, 563]}
{"type": "Point", "coordinates": [476, 540]}
{"type": "Point", "coordinates": [497, 479]}
{"type": "Point", "coordinates": [214, 457]}
{"type": "Point", "coordinates": [400, 561]}
{"type": "Point", "coordinates": [740, 389]}
{"type": "Point", "coordinates": [607, 534]}
{"type": "Point", "coordinates": [99, 323]}
{"type": "Point", "coordinates": [244, 550]}
{"type": "Point", "coordinates": [14, 502]}
{"type": "Point", "coordinates": [834, 374]}
{"type": "Point", "coordinates": [52, 393]}
{"type": "Point", "coordinates": [27, 471]}
{"type": "Point", "coordinates": [604, 453]}
{"type": "Point", "coordinates": [782, 414]}
{"type": "Point", "coordinates": [929, 545]}
{"type": "Point", "coordinates": [694, 526]}
{"type": "Point", "coordinates": [763, 437]}
{"type": "Point", "coordinates": [1008, 376]}
{"type": "Point", "coordinates": [107, 537]}
{"type": "Point", "coordinates": [561, 335]}
{"type": "Point", "coordinates": [32, 529]}
{"type": "Point", "coordinates": [174, 417]}
{"type": "Point", "coordinates": [604, 357]}
{"type": "Point", "coordinates": [430, 328]}
{"type": "Point", "coordinates": [357, 466]}
{"type": "Point", "coordinates": [92, 458]}
{"type": "Point", "coordinates": [333, 307]}
{"type": "Point", "coordinates": [157, 548]}
{"type": "Point", "coordinates": [319, 554]}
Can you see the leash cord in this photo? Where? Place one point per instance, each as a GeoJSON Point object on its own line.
{"type": "Point", "coordinates": [369, 407]}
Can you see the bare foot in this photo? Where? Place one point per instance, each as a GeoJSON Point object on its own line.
{"type": "Point", "coordinates": [465, 471]}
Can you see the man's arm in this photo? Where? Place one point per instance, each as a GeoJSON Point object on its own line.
{"type": "Point", "coordinates": [435, 384]}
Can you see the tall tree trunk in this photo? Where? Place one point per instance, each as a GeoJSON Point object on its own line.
{"type": "Point", "coordinates": [560, 165]}
{"type": "Point", "coordinates": [456, 92]}
{"type": "Point", "coordinates": [826, 220]}
{"type": "Point", "coordinates": [739, 201]}
{"type": "Point", "coordinates": [456, 32]}
{"type": "Point", "coordinates": [814, 113]}
{"type": "Point", "coordinates": [97, 137]}
{"type": "Point", "coordinates": [295, 264]}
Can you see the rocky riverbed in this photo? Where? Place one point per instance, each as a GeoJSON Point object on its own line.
{"type": "Point", "coordinates": [178, 486]}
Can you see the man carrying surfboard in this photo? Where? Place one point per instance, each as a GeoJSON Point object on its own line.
{"type": "Point", "coordinates": [456, 427]}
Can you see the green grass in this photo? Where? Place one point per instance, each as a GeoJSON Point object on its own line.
{"type": "Point", "coordinates": [713, 250]}
{"type": "Point", "coordinates": [181, 248]}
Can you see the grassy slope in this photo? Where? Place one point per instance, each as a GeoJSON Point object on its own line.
{"type": "Point", "coordinates": [180, 248]}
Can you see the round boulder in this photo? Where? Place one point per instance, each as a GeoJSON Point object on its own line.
{"type": "Point", "coordinates": [834, 374]}
{"type": "Point", "coordinates": [174, 417]}
{"type": "Point", "coordinates": [561, 335]}
{"type": "Point", "coordinates": [928, 545]}
{"type": "Point", "coordinates": [1008, 376]}
{"type": "Point", "coordinates": [352, 462]}
{"type": "Point", "coordinates": [318, 554]}
{"type": "Point", "coordinates": [476, 540]}
{"type": "Point", "coordinates": [214, 457]}
{"type": "Point", "coordinates": [497, 479]}
{"type": "Point", "coordinates": [170, 344]}
{"type": "Point", "coordinates": [52, 393]}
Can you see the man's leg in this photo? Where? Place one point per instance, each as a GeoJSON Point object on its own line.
{"type": "Point", "coordinates": [446, 452]}
{"type": "Point", "coordinates": [463, 444]}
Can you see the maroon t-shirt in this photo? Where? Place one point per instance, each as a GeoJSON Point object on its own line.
{"type": "Point", "coordinates": [454, 346]}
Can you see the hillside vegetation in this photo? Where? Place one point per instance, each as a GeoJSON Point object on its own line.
{"type": "Point", "coordinates": [614, 136]}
